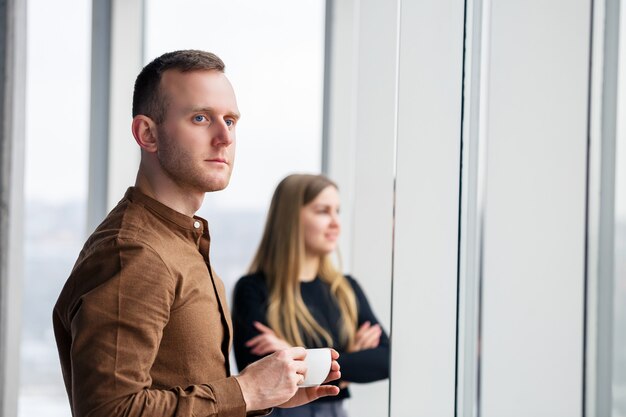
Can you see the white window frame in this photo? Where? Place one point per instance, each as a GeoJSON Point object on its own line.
{"type": "Point", "coordinates": [13, 69]}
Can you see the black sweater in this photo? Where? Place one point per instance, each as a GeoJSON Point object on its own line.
{"type": "Point", "coordinates": [250, 304]}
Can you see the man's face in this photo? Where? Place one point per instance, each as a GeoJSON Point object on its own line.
{"type": "Point", "coordinates": [196, 140]}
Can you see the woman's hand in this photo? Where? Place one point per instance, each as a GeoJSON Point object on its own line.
{"type": "Point", "coordinates": [366, 337]}
{"type": "Point", "coordinates": [266, 342]}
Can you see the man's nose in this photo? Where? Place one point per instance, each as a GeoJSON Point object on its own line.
{"type": "Point", "coordinates": [222, 135]}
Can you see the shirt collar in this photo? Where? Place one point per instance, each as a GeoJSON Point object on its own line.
{"type": "Point", "coordinates": [195, 223]}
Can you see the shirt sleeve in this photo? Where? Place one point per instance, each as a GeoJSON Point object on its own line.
{"type": "Point", "coordinates": [249, 305]}
{"type": "Point", "coordinates": [371, 364]}
{"type": "Point", "coordinates": [116, 328]}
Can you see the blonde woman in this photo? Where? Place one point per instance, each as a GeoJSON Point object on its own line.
{"type": "Point", "coordinates": [295, 296]}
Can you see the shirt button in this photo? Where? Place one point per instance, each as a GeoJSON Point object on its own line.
{"type": "Point", "coordinates": [196, 224]}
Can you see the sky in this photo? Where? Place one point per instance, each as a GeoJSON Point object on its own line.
{"type": "Point", "coordinates": [274, 55]}
{"type": "Point", "coordinates": [57, 99]}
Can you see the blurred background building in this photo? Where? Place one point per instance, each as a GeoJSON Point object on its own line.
{"type": "Point", "coordinates": [479, 146]}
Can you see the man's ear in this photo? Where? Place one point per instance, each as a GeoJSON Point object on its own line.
{"type": "Point", "coordinates": [145, 133]}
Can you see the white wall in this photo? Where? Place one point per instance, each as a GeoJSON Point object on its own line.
{"type": "Point", "coordinates": [523, 244]}
{"type": "Point", "coordinates": [534, 240]}
{"type": "Point", "coordinates": [427, 207]}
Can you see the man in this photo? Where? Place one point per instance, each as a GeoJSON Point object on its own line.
{"type": "Point", "coordinates": [142, 324]}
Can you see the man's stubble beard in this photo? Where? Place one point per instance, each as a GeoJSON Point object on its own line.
{"type": "Point", "coordinates": [181, 167]}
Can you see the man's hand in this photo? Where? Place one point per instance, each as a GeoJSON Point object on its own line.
{"type": "Point", "coordinates": [306, 395]}
{"type": "Point", "coordinates": [266, 342]}
{"type": "Point", "coordinates": [273, 381]}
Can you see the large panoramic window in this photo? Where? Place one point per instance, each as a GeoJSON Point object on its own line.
{"type": "Point", "coordinates": [274, 56]}
{"type": "Point", "coordinates": [57, 129]}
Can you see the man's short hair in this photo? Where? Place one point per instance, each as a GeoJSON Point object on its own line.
{"type": "Point", "coordinates": [148, 98]}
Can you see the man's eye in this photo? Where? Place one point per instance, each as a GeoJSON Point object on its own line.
{"type": "Point", "coordinates": [229, 122]}
{"type": "Point", "coordinates": [199, 118]}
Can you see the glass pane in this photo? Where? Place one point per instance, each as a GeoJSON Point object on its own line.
{"type": "Point", "coordinates": [274, 56]}
{"type": "Point", "coordinates": [57, 121]}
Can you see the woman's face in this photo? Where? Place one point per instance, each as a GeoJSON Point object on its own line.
{"type": "Point", "coordinates": [320, 222]}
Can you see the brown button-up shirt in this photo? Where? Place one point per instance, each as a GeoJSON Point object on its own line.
{"type": "Point", "coordinates": [142, 324]}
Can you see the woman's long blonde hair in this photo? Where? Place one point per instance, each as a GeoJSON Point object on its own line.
{"type": "Point", "coordinates": [279, 257]}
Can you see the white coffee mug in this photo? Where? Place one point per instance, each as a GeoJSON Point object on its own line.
{"type": "Point", "coordinates": [318, 363]}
